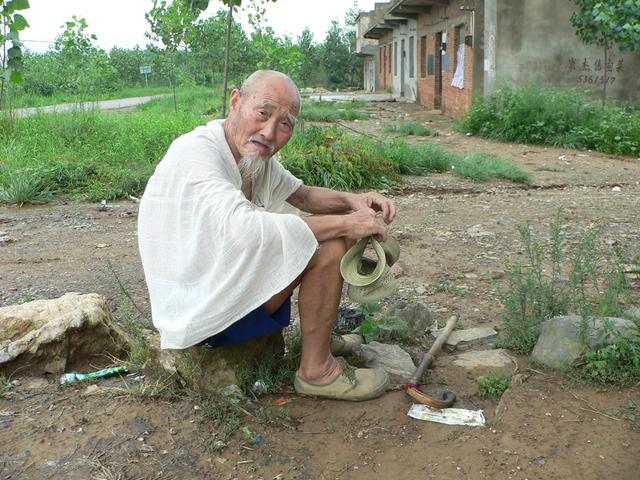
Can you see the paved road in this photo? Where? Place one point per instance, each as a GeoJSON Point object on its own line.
{"type": "Point", "coordinates": [349, 97]}
{"type": "Point", "coordinates": [101, 105]}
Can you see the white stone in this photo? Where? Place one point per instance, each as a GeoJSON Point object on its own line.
{"type": "Point", "coordinates": [465, 338]}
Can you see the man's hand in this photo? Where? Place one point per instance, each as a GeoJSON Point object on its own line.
{"type": "Point", "coordinates": [376, 202]}
{"type": "Point", "coordinates": [362, 223]}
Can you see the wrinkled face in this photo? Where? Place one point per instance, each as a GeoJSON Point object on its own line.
{"type": "Point", "coordinates": [261, 122]}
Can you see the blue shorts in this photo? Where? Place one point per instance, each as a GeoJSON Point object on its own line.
{"type": "Point", "coordinates": [255, 324]}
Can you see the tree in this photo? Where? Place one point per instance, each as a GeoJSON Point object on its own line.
{"type": "Point", "coordinates": [172, 24]}
{"type": "Point", "coordinates": [607, 24]}
{"type": "Point", "coordinates": [309, 52]}
{"type": "Point", "coordinates": [336, 56]}
{"type": "Point", "coordinates": [88, 64]}
{"type": "Point", "coordinates": [11, 24]}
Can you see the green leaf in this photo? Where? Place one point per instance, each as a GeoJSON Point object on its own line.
{"type": "Point", "coordinates": [18, 4]}
{"type": "Point", "coordinates": [15, 77]}
{"type": "Point", "coordinates": [14, 53]}
{"type": "Point", "coordinates": [19, 23]}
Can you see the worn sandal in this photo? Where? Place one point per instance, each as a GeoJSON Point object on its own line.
{"type": "Point", "coordinates": [353, 384]}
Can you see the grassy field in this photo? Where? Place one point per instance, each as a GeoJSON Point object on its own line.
{"type": "Point", "coordinates": [102, 155]}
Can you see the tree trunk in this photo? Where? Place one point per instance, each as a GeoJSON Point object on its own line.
{"type": "Point", "coordinates": [226, 61]}
{"type": "Point", "coordinates": [606, 76]}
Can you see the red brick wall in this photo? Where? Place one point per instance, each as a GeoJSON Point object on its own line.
{"type": "Point", "coordinates": [455, 102]}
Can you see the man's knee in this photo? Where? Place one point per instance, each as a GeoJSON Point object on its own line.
{"type": "Point", "coordinates": [330, 253]}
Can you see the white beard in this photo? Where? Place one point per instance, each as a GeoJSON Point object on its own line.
{"type": "Point", "coordinates": [251, 169]}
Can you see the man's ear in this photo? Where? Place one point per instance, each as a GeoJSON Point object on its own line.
{"type": "Point", "coordinates": [235, 99]}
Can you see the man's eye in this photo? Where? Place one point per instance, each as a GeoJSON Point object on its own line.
{"type": "Point", "coordinates": [262, 114]}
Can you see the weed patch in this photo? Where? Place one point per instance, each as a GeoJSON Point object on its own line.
{"type": "Point", "coordinates": [6, 389]}
{"type": "Point", "coordinates": [547, 281]}
{"type": "Point", "coordinates": [556, 116]}
{"type": "Point", "coordinates": [617, 363]}
{"type": "Point", "coordinates": [493, 385]}
{"type": "Point", "coordinates": [374, 327]}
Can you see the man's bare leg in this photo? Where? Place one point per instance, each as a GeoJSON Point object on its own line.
{"type": "Point", "coordinates": [318, 301]}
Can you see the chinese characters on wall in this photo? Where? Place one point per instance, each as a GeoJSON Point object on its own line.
{"type": "Point", "coordinates": [592, 71]}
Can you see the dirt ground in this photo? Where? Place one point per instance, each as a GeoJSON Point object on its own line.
{"type": "Point", "coordinates": [451, 231]}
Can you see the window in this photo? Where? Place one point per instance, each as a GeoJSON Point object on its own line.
{"type": "Point", "coordinates": [395, 58]}
{"type": "Point", "coordinates": [383, 65]}
{"type": "Point", "coordinates": [389, 58]}
{"type": "Point", "coordinates": [423, 56]}
{"type": "Point", "coordinates": [412, 55]}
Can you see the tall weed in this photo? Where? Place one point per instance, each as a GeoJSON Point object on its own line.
{"type": "Point", "coordinates": [547, 281]}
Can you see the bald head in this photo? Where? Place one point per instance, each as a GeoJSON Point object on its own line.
{"type": "Point", "coordinates": [263, 78]}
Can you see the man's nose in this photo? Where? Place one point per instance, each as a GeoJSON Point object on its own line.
{"type": "Point", "coordinates": [268, 131]}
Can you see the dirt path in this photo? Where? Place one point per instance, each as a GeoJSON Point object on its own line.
{"type": "Point", "coordinates": [452, 231]}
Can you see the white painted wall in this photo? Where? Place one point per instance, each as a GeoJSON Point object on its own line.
{"type": "Point", "coordinates": [406, 90]}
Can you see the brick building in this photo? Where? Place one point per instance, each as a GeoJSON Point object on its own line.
{"type": "Point", "coordinates": [443, 52]}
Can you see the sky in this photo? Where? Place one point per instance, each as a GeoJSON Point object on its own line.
{"type": "Point", "coordinates": [121, 23]}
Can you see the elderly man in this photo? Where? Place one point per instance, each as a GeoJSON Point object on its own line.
{"type": "Point", "coordinates": [223, 249]}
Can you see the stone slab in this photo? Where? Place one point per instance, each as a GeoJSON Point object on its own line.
{"type": "Point", "coordinates": [463, 339]}
{"type": "Point", "coordinates": [497, 359]}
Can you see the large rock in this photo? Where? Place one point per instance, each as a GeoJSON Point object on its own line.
{"type": "Point", "coordinates": [54, 336]}
{"type": "Point", "coordinates": [391, 358]}
{"type": "Point", "coordinates": [561, 340]}
{"type": "Point", "coordinates": [463, 339]}
{"type": "Point", "coordinates": [416, 315]}
{"type": "Point", "coordinates": [206, 370]}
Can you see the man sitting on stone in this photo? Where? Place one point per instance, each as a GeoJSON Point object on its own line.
{"type": "Point", "coordinates": [223, 249]}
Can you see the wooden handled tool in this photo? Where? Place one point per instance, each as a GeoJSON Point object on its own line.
{"type": "Point", "coordinates": [412, 388]}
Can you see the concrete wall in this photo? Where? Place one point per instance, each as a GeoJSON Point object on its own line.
{"type": "Point", "coordinates": [536, 42]}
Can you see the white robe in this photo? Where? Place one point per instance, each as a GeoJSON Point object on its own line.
{"type": "Point", "coordinates": [210, 256]}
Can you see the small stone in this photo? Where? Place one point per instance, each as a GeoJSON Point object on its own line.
{"type": "Point", "coordinates": [616, 189]}
{"type": "Point", "coordinates": [172, 431]}
{"type": "Point", "coordinates": [421, 290]}
{"type": "Point", "coordinates": [196, 407]}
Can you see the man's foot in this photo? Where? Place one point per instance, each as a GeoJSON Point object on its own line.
{"type": "Point", "coordinates": [343, 345]}
{"type": "Point", "coordinates": [353, 384]}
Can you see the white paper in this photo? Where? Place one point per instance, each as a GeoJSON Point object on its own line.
{"type": "Point", "coordinates": [449, 416]}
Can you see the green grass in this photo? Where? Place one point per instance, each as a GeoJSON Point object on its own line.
{"type": "Point", "coordinates": [332, 158]}
{"type": "Point", "coordinates": [30, 100]}
{"type": "Point", "coordinates": [322, 111]}
{"type": "Point", "coordinates": [556, 116]}
{"type": "Point", "coordinates": [91, 154]}
{"type": "Point", "coordinates": [493, 385]}
{"type": "Point", "coordinates": [102, 155]}
{"type": "Point", "coordinates": [411, 128]}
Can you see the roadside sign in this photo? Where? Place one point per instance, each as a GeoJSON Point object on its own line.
{"type": "Point", "coordinates": [145, 69]}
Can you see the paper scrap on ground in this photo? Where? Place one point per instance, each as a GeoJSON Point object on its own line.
{"type": "Point", "coordinates": [450, 416]}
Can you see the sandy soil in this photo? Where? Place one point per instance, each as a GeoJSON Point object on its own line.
{"type": "Point", "coordinates": [451, 230]}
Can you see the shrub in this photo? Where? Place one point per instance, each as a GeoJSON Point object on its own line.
{"type": "Point", "coordinates": [536, 114]}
